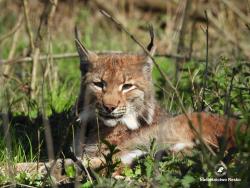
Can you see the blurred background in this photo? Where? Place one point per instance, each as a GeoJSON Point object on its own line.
{"type": "Point", "coordinates": [179, 25]}
{"type": "Point", "coordinates": [37, 37]}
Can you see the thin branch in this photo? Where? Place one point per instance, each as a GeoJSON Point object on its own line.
{"type": "Point", "coordinates": [76, 55]}
{"type": "Point", "coordinates": [12, 51]}
{"type": "Point", "coordinates": [48, 11]}
{"type": "Point", "coordinates": [181, 33]}
{"type": "Point", "coordinates": [204, 85]}
{"type": "Point", "coordinates": [27, 24]}
{"type": "Point", "coordinates": [35, 60]}
{"type": "Point", "coordinates": [13, 30]}
{"type": "Point", "coordinates": [24, 185]}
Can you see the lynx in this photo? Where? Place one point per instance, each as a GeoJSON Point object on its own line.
{"type": "Point", "coordinates": [117, 103]}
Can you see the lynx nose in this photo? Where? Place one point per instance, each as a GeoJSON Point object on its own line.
{"type": "Point", "coordinates": [109, 108]}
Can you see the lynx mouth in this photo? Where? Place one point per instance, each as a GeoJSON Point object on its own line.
{"type": "Point", "coordinates": [110, 115]}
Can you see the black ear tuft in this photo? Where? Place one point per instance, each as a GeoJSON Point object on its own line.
{"type": "Point", "coordinates": [85, 55]}
{"type": "Point", "coordinates": [148, 67]}
{"type": "Point", "coordinates": [84, 67]}
{"type": "Point", "coordinates": [151, 47]}
{"type": "Point", "coordinates": [151, 32]}
{"type": "Point", "coordinates": [82, 51]}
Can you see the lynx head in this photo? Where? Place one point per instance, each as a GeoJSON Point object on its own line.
{"type": "Point", "coordinates": [118, 85]}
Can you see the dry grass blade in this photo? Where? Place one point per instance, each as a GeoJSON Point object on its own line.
{"type": "Point", "coordinates": [181, 34]}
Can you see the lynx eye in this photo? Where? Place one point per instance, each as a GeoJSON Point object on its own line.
{"type": "Point", "coordinates": [126, 87]}
{"type": "Point", "coordinates": [99, 85]}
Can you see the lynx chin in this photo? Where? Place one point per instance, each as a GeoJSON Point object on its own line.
{"type": "Point", "coordinates": [117, 103]}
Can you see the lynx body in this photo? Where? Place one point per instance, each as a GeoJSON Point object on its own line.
{"type": "Point", "coordinates": [117, 103]}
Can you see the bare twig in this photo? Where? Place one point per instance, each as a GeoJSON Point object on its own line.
{"type": "Point", "coordinates": [24, 185]}
{"type": "Point", "coordinates": [182, 30]}
{"type": "Point", "coordinates": [48, 135]}
{"type": "Point", "coordinates": [13, 30]}
{"type": "Point", "coordinates": [12, 51]}
{"type": "Point", "coordinates": [76, 55]}
{"type": "Point", "coordinates": [48, 11]}
{"type": "Point", "coordinates": [35, 60]}
{"type": "Point", "coordinates": [27, 24]}
{"type": "Point", "coordinates": [204, 85]}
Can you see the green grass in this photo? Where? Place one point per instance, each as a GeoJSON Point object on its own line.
{"type": "Point", "coordinates": [172, 171]}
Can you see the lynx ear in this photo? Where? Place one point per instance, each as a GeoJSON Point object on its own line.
{"type": "Point", "coordinates": [151, 48]}
{"type": "Point", "coordinates": [86, 56]}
